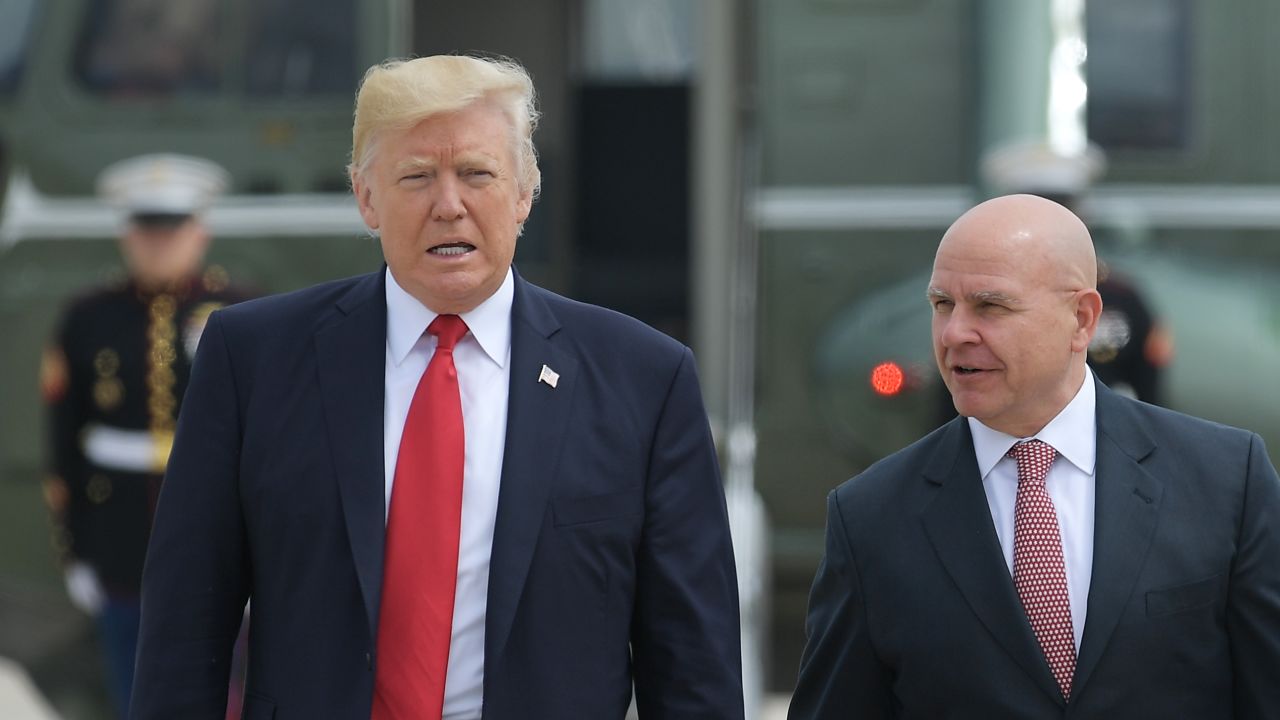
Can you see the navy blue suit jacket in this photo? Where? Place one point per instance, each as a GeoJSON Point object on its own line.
{"type": "Point", "coordinates": [914, 614]}
{"type": "Point", "coordinates": [611, 556]}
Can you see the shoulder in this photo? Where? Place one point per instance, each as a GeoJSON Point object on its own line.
{"type": "Point", "coordinates": [599, 326]}
{"type": "Point", "coordinates": [94, 308]}
{"type": "Point", "coordinates": [97, 300]}
{"type": "Point", "coordinates": [1209, 461]}
{"type": "Point", "coordinates": [631, 366]}
{"type": "Point", "coordinates": [303, 309]}
{"type": "Point", "coordinates": [899, 476]}
{"type": "Point", "coordinates": [1131, 423]}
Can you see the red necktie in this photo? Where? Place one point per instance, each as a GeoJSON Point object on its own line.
{"type": "Point", "coordinates": [421, 565]}
{"type": "Point", "coordinates": [1039, 572]}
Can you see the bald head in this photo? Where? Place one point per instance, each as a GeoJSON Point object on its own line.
{"type": "Point", "coordinates": [1015, 301]}
{"type": "Point", "coordinates": [1028, 229]}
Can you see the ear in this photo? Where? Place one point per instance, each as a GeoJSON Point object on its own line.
{"type": "Point", "coordinates": [1088, 308]}
{"type": "Point", "coordinates": [364, 199]}
{"type": "Point", "coordinates": [524, 205]}
{"type": "Point", "coordinates": [204, 238]}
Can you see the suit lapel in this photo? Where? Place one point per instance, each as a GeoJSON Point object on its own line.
{"type": "Point", "coordinates": [1127, 504]}
{"type": "Point", "coordinates": [351, 354]}
{"type": "Point", "coordinates": [537, 418]}
{"type": "Point", "coordinates": [958, 523]}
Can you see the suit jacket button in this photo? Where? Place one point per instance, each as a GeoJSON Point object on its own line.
{"type": "Point", "coordinates": [368, 660]}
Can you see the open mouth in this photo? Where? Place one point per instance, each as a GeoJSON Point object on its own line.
{"type": "Point", "coordinates": [962, 370]}
{"type": "Point", "coordinates": [452, 249]}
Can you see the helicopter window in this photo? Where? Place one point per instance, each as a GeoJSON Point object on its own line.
{"type": "Point", "coordinates": [307, 53]}
{"type": "Point", "coordinates": [149, 48]}
{"type": "Point", "coordinates": [627, 41]}
{"type": "Point", "coordinates": [15, 32]}
{"type": "Point", "coordinates": [1139, 73]}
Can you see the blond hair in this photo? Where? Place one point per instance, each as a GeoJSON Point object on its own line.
{"type": "Point", "coordinates": [395, 95]}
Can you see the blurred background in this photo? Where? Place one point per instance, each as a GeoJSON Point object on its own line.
{"type": "Point", "coordinates": [765, 180]}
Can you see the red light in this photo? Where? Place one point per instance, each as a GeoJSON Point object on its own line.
{"type": "Point", "coordinates": [887, 378]}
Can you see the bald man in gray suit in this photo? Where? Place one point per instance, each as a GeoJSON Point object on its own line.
{"type": "Point", "coordinates": [1137, 575]}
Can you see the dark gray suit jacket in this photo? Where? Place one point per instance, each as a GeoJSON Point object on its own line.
{"type": "Point", "coordinates": [913, 613]}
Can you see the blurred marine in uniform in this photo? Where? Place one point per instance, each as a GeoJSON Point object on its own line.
{"type": "Point", "coordinates": [1132, 347]}
{"type": "Point", "coordinates": [113, 378]}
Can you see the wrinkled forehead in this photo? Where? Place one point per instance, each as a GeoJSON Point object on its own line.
{"type": "Point", "coordinates": [980, 282]}
{"type": "Point", "coordinates": [480, 128]}
{"type": "Point", "coordinates": [990, 271]}
{"type": "Point", "coordinates": [989, 253]}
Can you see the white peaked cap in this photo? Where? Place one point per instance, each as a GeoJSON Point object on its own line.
{"type": "Point", "coordinates": [162, 184]}
{"type": "Point", "coordinates": [1035, 167]}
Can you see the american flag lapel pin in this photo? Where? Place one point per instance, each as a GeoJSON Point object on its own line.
{"type": "Point", "coordinates": [548, 376]}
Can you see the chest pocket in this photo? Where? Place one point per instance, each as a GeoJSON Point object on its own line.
{"type": "Point", "coordinates": [1183, 597]}
{"type": "Point", "coordinates": [258, 708]}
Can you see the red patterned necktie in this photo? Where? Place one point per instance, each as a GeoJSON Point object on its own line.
{"type": "Point", "coordinates": [1039, 572]}
{"type": "Point", "coordinates": [421, 561]}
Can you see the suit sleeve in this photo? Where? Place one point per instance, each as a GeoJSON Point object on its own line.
{"type": "Point", "coordinates": [839, 671]}
{"type": "Point", "coordinates": [195, 582]}
{"type": "Point", "coordinates": [1253, 603]}
{"type": "Point", "coordinates": [685, 635]}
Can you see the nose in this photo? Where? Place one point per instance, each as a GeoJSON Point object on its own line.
{"type": "Point", "coordinates": [956, 328]}
{"type": "Point", "coordinates": [448, 205]}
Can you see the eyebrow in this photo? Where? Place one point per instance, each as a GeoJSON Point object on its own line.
{"type": "Point", "coordinates": [415, 163]}
{"type": "Point", "coordinates": [472, 155]}
{"type": "Point", "coordinates": [980, 296]}
{"type": "Point", "coordinates": [466, 157]}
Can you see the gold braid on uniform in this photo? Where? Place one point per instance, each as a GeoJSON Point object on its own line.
{"type": "Point", "coordinates": [161, 354]}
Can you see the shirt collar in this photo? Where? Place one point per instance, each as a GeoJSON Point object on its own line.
{"type": "Point", "coordinates": [489, 322]}
{"type": "Point", "coordinates": [1073, 433]}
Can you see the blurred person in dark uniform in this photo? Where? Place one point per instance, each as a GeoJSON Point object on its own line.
{"type": "Point", "coordinates": [113, 378]}
{"type": "Point", "coordinates": [1131, 347]}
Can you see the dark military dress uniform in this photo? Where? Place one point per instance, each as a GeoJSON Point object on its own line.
{"type": "Point", "coordinates": [1130, 348]}
{"type": "Point", "coordinates": [114, 381]}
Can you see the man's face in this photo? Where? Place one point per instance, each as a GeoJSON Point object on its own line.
{"type": "Point", "coordinates": [159, 253]}
{"type": "Point", "coordinates": [446, 201]}
{"type": "Point", "coordinates": [1005, 329]}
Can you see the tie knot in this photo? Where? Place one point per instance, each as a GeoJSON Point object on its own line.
{"type": "Point", "coordinates": [1034, 458]}
{"type": "Point", "coordinates": [448, 330]}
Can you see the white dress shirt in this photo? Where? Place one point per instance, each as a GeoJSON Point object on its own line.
{"type": "Point", "coordinates": [1073, 433]}
{"type": "Point", "coordinates": [482, 358]}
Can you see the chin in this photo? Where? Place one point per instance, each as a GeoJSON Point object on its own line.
{"type": "Point", "coordinates": [969, 408]}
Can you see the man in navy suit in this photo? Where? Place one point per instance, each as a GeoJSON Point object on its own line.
{"type": "Point", "coordinates": [1058, 551]}
{"type": "Point", "coordinates": [592, 548]}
